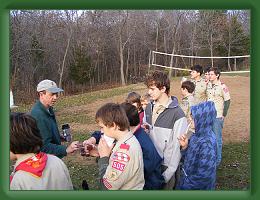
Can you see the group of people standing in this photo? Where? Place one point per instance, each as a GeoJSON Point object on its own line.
{"type": "Point", "coordinates": [158, 143]}
{"type": "Point", "coordinates": [209, 88]}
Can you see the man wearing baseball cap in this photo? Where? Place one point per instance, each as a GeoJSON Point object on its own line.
{"type": "Point", "coordinates": [42, 111]}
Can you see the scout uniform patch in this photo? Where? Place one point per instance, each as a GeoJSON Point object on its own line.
{"type": "Point", "coordinates": [106, 183]}
{"type": "Point", "coordinates": [121, 156]}
{"type": "Point", "coordinates": [119, 166]}
{"type": "Point", "coordinates": [124, 146]}
{"type": "Point", "coordinates": [119, 160]}
{"type": "Point", "coordinates": [225, 88]}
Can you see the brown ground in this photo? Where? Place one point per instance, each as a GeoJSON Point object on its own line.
{"type": "Point", "coordinates": [237, 122]}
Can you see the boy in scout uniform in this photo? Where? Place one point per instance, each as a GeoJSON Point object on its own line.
{"type": "Point", "coordinates": [188, 100]}
{"type": "Point", "coordinates": [206, 74]}
{"type": "Point", "coordinates": [200, 94]}
{"type": "Point", "coordinates": [187, 89]}
{"type": "Point", "coordinates": [218, 93]}
{"type": "Point", "coordinates": [121, 165]}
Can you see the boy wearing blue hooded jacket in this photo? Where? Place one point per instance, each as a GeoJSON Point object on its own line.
{"type": "Point", "coordinates": [198, 171]}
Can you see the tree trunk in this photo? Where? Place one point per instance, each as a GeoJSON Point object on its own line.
{"type": "Point", "coordinates": [165, 47]}
{"type": "Point", "coordinates": [156, 40]}
{"type": "Point", "coordinates": [211, 50]}
{"type": "Point", "coordinates": [64, 59]}
{"type": "Point", "coordinates": [121, 54]}
{"type": "Point", "coordinates": [174, 44]}
{"type": "Point", "coordinates": [229, 45]}
{"type": "Point", "coordinates": [134, 64]}
{"type": "Point", "coordinates": [171, 62]}
{"type": "Point", "coordinates": [127, 65]}
{"type": "Point", "coordinates": [229, 67]}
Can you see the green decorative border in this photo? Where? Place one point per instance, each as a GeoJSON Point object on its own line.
{"type": "Point", "coordinates": [6, 5]}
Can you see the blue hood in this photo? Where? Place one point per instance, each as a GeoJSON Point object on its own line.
{"type": "Point", "coordinates": [199, 166]}
{"type": "Point", "coordinates": [203, 115]}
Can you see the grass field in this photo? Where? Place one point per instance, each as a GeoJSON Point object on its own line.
{"type": "Point", "coordinates": [79, 112]}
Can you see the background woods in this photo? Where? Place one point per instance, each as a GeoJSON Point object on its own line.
{"type": "Point", "coordinates": [93, 49]}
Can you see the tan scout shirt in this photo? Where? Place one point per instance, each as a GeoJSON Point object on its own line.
{"type": "Point", "coordinates": [55, 176]}
{"type": "Point", "coordinates": [125, 170]}
{"type": "Point", "coordinates": [186, 103]}
{"type": "Point", "coordinates": [200, 93]}
{"type": "Point", "coordinates": [218, 93]}
{"type": "Point", "coordinates": [158, 109]}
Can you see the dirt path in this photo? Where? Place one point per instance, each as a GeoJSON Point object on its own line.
{"type": "Point", "coordinates": [237, 122]}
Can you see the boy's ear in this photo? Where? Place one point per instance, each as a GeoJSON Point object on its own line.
{"type": "Point", "coordinates": [114, 126]}
{"type": "Point", "coordinates": [12, 156]}
{"type": "Point", "coordinates": [163, 89]}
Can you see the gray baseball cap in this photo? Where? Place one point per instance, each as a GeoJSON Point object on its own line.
{"type": "Point", "coordinates": [49, 86]}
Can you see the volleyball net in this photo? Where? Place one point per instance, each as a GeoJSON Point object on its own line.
{"type": "Point", "coordinates": [230, 64]}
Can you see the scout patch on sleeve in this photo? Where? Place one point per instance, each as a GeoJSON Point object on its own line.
{"type": "Point", "coordinates": [121, 156]}
{"type": "Point", "coordinates": [118, 166]}
{"type": "Point", "coordinates": [225, 88]}
{"type": "Point", "coordinates": [124, 146]}
{"type": "Point", "coordinates": [106, 183]}
{"type": "Point", "coordinates": [113, 174]}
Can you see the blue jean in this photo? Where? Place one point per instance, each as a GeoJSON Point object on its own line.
{"type": "Point", "coordinates": [217, 129]}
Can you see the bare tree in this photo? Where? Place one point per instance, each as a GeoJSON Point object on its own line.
{"type": "Point", "coordinates": [70, 20]}
{"type": "Point", "coordinates": [115, 44]}
{"type": "Point", "coordinates": [175, 29]}
{"type": "Point", "coordinates": [210, 26]}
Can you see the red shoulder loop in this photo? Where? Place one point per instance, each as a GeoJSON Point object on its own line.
{"type": "Point", "coordinates": [124, 146]}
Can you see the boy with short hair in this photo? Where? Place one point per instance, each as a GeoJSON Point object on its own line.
{"type": "Point", "coordinates": [152, 160]}
{"type": "Point", "coordinates": [123, 169]}
{"type": "Point", "coordinates": [34, 170]}
{"type": "Point", "coordinates": [135, 99]}
{"type": "Point", "coordinates": [200, 94]}
{"type": "Point", "coordinates": [145, 99]}
{"type": "Point", "coordinates": [187, 89]}
{"type": "Point", "coordinates": [218, 92]}
{"type": "Point", "coordinates": [206, 74]}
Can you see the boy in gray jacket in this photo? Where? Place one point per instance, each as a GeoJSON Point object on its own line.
{"type": "Point", "coordinates": [167, 122]}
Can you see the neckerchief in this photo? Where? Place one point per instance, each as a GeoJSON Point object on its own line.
{"type": "Point", "coordinates": [34, 165]}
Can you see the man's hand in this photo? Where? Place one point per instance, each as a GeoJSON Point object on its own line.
{"type": "Point", "coordinates": [72, 147]}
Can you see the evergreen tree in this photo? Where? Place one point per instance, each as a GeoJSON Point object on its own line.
{"type": "Point", "coordinates": [81, 70]}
